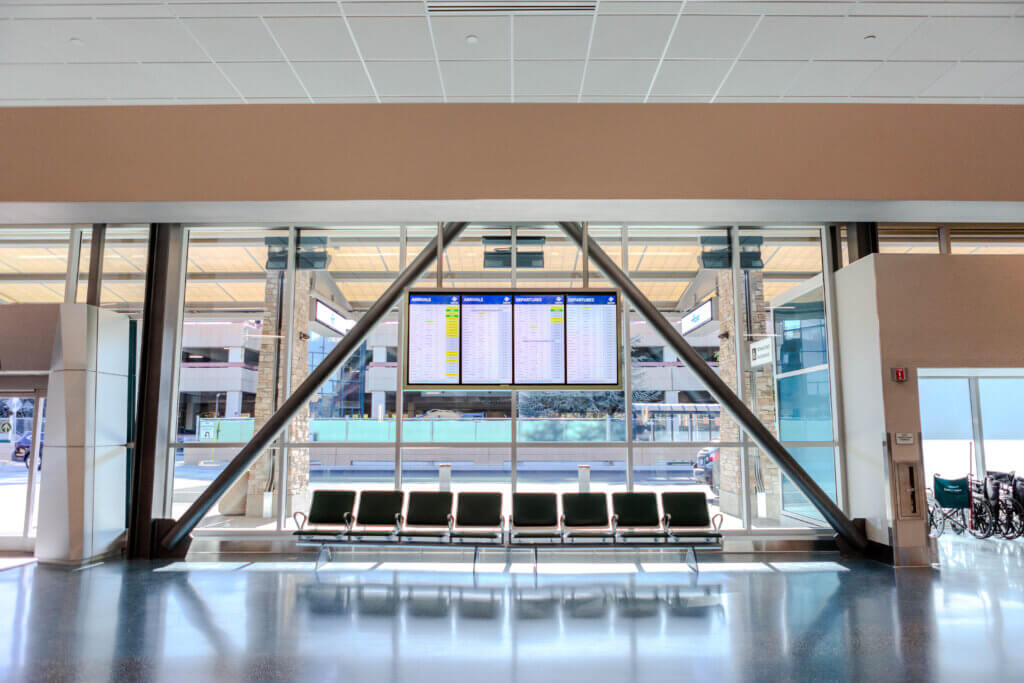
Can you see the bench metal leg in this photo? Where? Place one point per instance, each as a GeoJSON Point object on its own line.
{"type": "Point", "coordinates": [476, 552]}
{"type": "Point", "coordinates": [323, 552]}
{"type": "Point", "coordinates": [691, 559]}
{"type": "Point", "coordinates": [535, 560]}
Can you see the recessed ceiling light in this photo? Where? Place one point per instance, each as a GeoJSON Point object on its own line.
{"type": "Point", "coordinates": [870, 36]}
{"type": "Point", "coordinates": [472, 39]}
{"type": "Point", "coordinates": [77, 42]}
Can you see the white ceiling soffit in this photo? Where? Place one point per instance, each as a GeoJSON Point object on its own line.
{"type": "Point", "coordinates": [194, 52]}
{"type": "Point", "coordinates": [669, 212]}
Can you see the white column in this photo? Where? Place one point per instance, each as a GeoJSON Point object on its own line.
{"type": "Point", "coordinates": [233, 404]}
{"type": "Point", "coordinates": [83, 486]}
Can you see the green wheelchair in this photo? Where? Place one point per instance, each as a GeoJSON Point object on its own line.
{"type": "Point", "coordinates": [950, 506]}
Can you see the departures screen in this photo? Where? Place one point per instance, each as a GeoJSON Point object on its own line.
{"type": "Point", "coordinates": [513, 339]}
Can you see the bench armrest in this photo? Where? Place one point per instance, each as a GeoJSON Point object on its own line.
{"type": "Point", "coordinates": [666, 521]}
{"type": "Point", "coordinates": [398, 523]}
{"type": "Point", "coordinates": [348, 522]}
{"type": "Point", "coordinates": [716, 521]}
{"type": "Point", "coordinates": [451, 523]}
{"type": "Point", "coordinates": [300, 524]}
{"type": "Point", "coordinates": [615, 524]}
{"type": "Point", "coordinates": [561, 525]}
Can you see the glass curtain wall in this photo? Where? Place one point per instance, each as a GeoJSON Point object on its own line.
{"type": "Point", "coordinates": [345, 437]}
{"type": "Point", "coordinates": [560, 433]}
{"type": "Point", "coordinates": [34, 269]}
{"type": "Point", "coordinates": [361, 424]}
{"type": "Point", "coordinates": [676, 425]}
{"type": "Point", "coordinates": [230, 349]}
{"type": "Point", "coordinates": [783, 357]}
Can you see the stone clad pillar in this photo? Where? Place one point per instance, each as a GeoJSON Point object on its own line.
{"type": "Point", "coordinates": [262, 476]}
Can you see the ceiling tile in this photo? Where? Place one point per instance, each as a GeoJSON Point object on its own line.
{"type": "Point", "coordinates": [492, 37]}
{"type": "Point", "coordinates": [792, 37]}
{"type": "Point", "coordinates": [476, 78]}
{"type": "Point", "coordinates": [678, 98]}
{"type": "Point", "coordinates": [1006, 42]}
{"type": "Point", "coordinates": [630, 37]}
{"type": "Point", "coordinates": [549, 77]}
{"type": "Point", "coordinates": [1011, 87]}
{"type": "Point", "coordinates": [152, 40]}
{"type": "Point", "coordinates": [699, 36]}
{"type": "Point", "coordinates": [849, 40]}
{"type": "Point", "coordinates": [383, 8]}
{"type": "Point", "coordinates": [947, 38]}
{"type": "Point", "coordinates": [972, 79]}
{"type": "Point", "coordinates": [613, 98]}
{"type": "Point", "coordinates": [690, 77]}
{"type": "Point", "coordinates": [551, 37]}
{"type": "Point", "coordinates": [900, 79]}
{"type": "Point", "coordinates": [393, 37]}
{"type": "Point", "coordinates": [481, 98]}
{"type": "Point", "coordinates": [263, 79]}
{"type": "Point", "coordinates": [234, 39]}
{"type": "Point", "coordinates": [334, 79]}
{"type": "Point", "coordinates": [618, 77]}
{"type": "Point", "coordinates": [98, 41]}
{"type": "Point", "coordinates": [313, 38]}
{"type": "Point", "coordinates": [830, 79]}
{"type": "Point", "coordinates": [71, 81]}
{"type": "Point", "coordinates": [405, 79]}
{"type": "Point", "coordinates": [761, 78]}
{"type": "Point", "coordinates": [198, 80]}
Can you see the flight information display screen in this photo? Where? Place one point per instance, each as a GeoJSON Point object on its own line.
{"type": "Point", "coordinates": [486, 338]}
{"type": "Point", "coordinates": [542, 339]}
{"type": "Point", "coordinates": [434, 338]}
{"type": "Point", "coordinates": [591, 328]}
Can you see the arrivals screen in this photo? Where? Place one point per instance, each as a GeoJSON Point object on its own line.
{"type": "Point", "coordinates": [486, 338]}
{"type": "Point", "coordinates": [513, 339]}
{"type": "Point", "coordinates": [434, 339]}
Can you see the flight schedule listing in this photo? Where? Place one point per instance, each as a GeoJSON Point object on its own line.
{"type": "Point", "coordinates": [433, 339]}
{"type": "Point", "coordinates": [539, 339]}
{"type": "Point", "coordinates": [591, 339]}
{"type": "Point", "coordinates": [487, 339]}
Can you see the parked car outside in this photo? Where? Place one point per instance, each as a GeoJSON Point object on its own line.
{"type": "Point", "coordinates": [23, 450]}
{"type": "Point", "coordinates": [704, 467]}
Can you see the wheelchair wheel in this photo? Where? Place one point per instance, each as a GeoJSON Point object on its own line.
{"type": "Point", "coordinates": [1013, 523]}
{"type": "Point", "coordinates": [983, 524]}
{"type": "Point", "coordinates": [936, 522]}
{"type": "Point", "coordinates": [957, 521]}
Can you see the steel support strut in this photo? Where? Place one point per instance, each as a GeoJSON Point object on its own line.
{"type": "Point", "coordinates": [320, 374]}
{"type": "Point", "coordinates": [722, 393]}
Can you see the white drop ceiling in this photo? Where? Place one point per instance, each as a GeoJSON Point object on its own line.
{"type": "Point", "coordinates": [63, 52]}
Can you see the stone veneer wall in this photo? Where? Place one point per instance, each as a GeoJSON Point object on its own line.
{"type": "Point", "coordinates": [759, 383]}
{"type": "Point", "coordinates": [298, 468]}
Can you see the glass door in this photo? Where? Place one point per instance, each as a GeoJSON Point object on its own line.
{"type": "Point", "coordinates": [21, 442]}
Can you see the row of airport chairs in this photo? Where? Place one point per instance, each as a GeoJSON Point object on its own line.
{"type": "Point", "coordinates": [476, 518]}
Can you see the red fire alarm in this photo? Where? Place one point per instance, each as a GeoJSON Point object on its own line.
{"type": "Point", "coordinates": [899, 374]}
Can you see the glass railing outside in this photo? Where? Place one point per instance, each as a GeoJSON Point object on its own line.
{"type": "Point", "coordinates": [472, 430]}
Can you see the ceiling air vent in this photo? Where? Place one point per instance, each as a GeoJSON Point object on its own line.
{"type": "Point", "coordinates": [507, 6]}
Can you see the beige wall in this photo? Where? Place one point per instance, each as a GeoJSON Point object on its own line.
{"type": "Point", "coordinates": [915, 311]}
{"type": "Point", "coordinates": [521, 151]}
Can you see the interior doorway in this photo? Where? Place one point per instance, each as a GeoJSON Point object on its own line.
{"type": "Point", "coordinates": [970, 422]}
{"type": "Point", "coordinates": [22, 435]}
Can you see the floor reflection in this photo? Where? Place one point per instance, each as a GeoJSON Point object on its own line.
{"type": "Point", "coordinates": [745, 618]}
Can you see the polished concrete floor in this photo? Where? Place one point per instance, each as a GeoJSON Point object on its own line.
{"type": "Point", "coordinates": [428, 617]}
